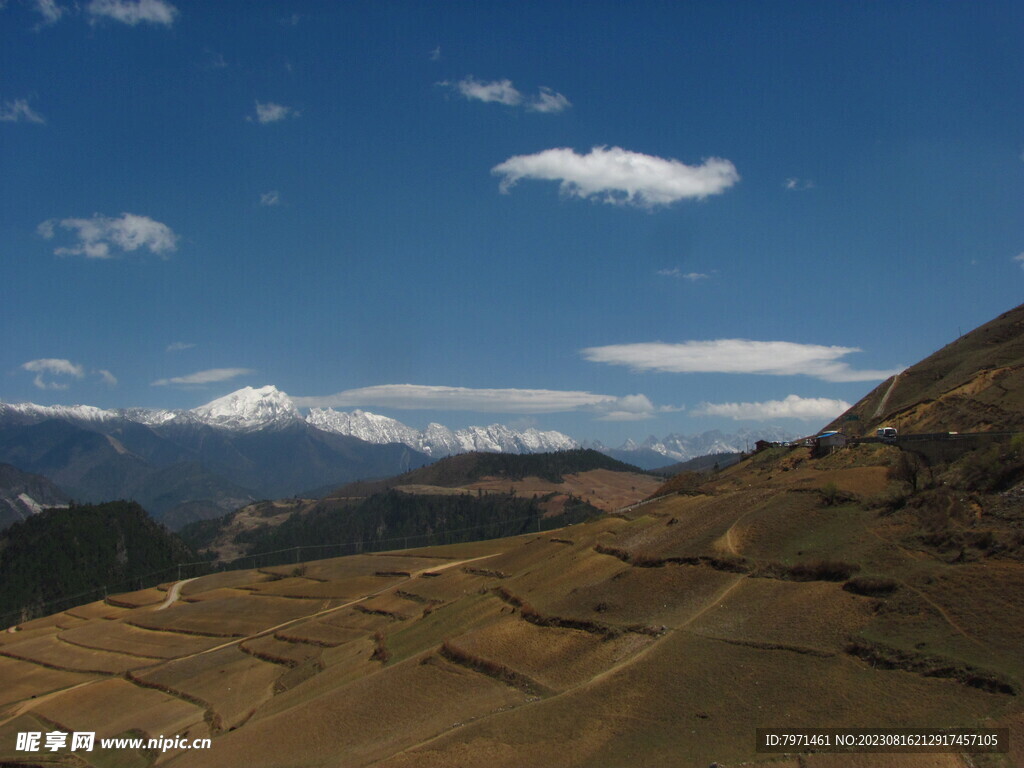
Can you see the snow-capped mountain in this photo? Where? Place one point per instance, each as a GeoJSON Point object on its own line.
{"type": "Point", "coordinates": [370, 427]}
{"type": "Point", "coordinates": [686, 447]}
{"type": "Point", "coordinates": [438, 440]}
{"type": "Point", "coordinates": [248, 409]}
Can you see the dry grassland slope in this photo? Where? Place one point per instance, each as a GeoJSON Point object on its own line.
{"type": "Point", "coordinates": [780, 593]}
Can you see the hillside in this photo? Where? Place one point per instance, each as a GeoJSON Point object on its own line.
{"type": "Point", "coordinates": [464, 469]}
{"type": "Point", "coordinates": [784, 591]}
{"type": "Point", "coordinates": [59, 553]}
{"type": "Point", "coordinates": [458, 492]}
{"type": "Point", "coordinates": [975, 383]}
{"type": "Point", "coordinates": [869, 588]}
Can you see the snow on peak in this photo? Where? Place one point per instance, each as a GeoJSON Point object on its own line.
{"type": "Point", "coordinates": [249, 408]}
{"type": "Point", "coordinates": [31, 413]}
{"type": "Point", "coordinates": [438, 440]}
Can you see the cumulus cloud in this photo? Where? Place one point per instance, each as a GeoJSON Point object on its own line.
{"type": "Point", "coordinates": [677, 273]}
{"type": "Point", "coordinates": [50, 366]}
{"type": "Point", "coordinates": [100, 236]}
{"type": "Point", "coordinates": [133, 12]}
{"type": "Point", "coordinates": [19, 111]}
{"type": "Point", "coordinates": [792, 407]}
{"type": "Point", "coordinates": [775, 358]}
{"type": "Point", "coordinates": [269, 112]}
{"type": "Point", "coordinates": [179, 346]}
{"type": "Point", "coordinates": [619, 176]}
{"type": "Point", "coordinates": [798, 185]}
{"type": "Point", "coordinates": [210, 376]}
{"type": "Point", "coordinates": [271, 198]}
{"type": "Point", "coordinates": [416, 397]}
{"type": "Point", "coordinates": [504, 92]}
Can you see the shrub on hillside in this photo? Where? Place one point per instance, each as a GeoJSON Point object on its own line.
{"type": "Point", "coordinates": [871, 586]}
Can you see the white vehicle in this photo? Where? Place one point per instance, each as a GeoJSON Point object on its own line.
{"type": "Point", "coordinates": [886, 434]}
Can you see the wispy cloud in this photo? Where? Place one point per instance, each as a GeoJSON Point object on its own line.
{"type": "Point", "coordinates": [18, 111]}
{"type": "Point", "coordinates": [792, 407]}
{"type": "Point", "coordinates": [504, 92]}
{"type": "Point", "coordinates": [677, 273]}
{"type": "Point", "coordinates": [1019, 258]}
{"type": "Point", "coordinates": [133, 12]}
{"type": "Point", "coordinates": [435, 55]}
{"type": "Point", "coordinates": [100, 236]}
{"type": "Point", "coordinates": [438, 398]}
{"type": "Point", "coordinates": [51, 366]}
{"type": "Point", "coordinates": [179, 346]}
{"type": "Point", "coordinates": [49, 10]}
{"type": "Point", "coordinates": [108, 378]}
{"type": "Point", "coordinates": [798, 185]}
{"type": "Point", "coordinates": [271, 198]}
{"type": "Point", "coordinates": [619, 176]}
{"type": "Point", "coordinates": [774, 358]}
{"type": "Point", "coordinates": [210, 376]}
{"type": "Point", "coordinates": [269, 112]}
{"type": "Point", "coordinates": [497, 91]}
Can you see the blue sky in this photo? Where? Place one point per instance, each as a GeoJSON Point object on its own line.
{"type": "Point", "coordinates": [609, 219]}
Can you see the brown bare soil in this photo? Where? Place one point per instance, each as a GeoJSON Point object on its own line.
{"type": "Point", "coordinates": [603, 488]}
{"type": "Point", "coordinates": [111, 707]}
{"type": "Point", "coordinates": [229, 617]}
{"type": "Point", "coordinates": [229, 683]}
{"type": "Point", "coordinates": [125, 638]}
{"type": "Point", "coordinates": [23, 679]}
{"type": "Point", "coordinates": [49, 651]}
{"type": "Point", "coordinates": [137, 599]}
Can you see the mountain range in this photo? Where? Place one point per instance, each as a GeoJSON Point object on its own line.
{"type": "Point", "coordinates": [185, 465]}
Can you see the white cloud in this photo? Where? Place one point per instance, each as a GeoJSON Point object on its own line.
{"type": "Point", "coordinates": [132, 12]}
{"type": "Point", "coordinates": [211, 376]}
{"type": "Point", "coordinates": [792, 407]}
{"type": "Point", "coordinates": [548, 100]}
{"type": "Point", "coordinates": [96, 236]}
{"type": "Point", "coordinates": [435, 55]}
{"type": "Point", "coordinates": [676, 272]}
{"type": "Point", "coordinates": [108, 378]}
{"type": "Point", "coordinates": [620, 176]}
{"type": "Point", "coordinates": [775, 358]}
{"type": "Point", "coordinates": [1020, 259]}
{"type": "Point", "coordinates": [179, 346]}
{"type": "Point", "coordinates": [49, 10]}
{"type": "Point", "coordinates": [53, 367]}
{"type": "Point", "coordinates": [424, 397]}
{"type": "Point", "coordinates": [504, 92]}
{"type": "Point", "coordinates": [17, 111]}
{"type": "Point", "coordinates": [798, 185]}
{"type": "Point", "coordinates": [273, 197]}
{"type": "Point", "coordinates": [500, 91]}
{"type": "Point", "coordinates": [269, 112]}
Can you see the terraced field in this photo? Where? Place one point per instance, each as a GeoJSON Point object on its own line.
{"type": "Point", "coordinates": [660, 637]}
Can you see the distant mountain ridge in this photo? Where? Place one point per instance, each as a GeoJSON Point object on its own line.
{"type": "Point", "coordinates": [438, 440]}
{"type": "Point", "coordinates": [254, 443]}
{"type": "Point", "coordinates": [23, 494]}
{"type": "Point", "coordinates": [187, 465]}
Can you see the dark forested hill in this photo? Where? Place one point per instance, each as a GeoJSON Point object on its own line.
{"type": "Point", "coordinates": [63, 552]}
